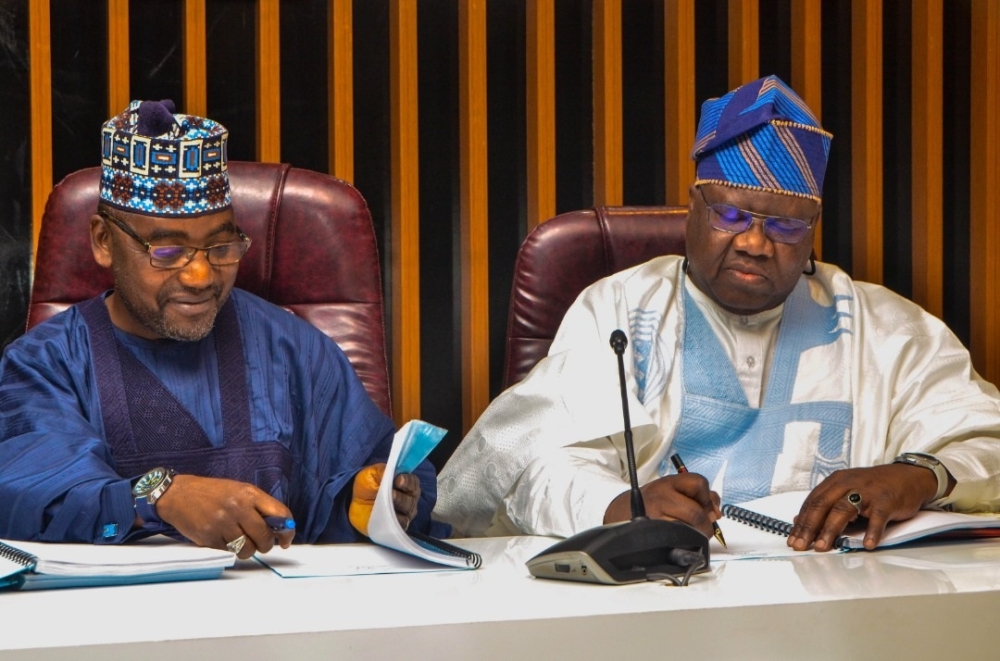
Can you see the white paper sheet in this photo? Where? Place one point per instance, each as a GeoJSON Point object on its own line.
{"type": "Point", "coordinates": [394, 551]}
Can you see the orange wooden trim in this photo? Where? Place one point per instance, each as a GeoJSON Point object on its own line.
{"type": "Point", "coordinates": [118, 56]}
{"type": "Point", "coordinates": [984, 190]}
{"type": "Point", "coordinates": [40, 84]}
{"type": "Point", "coordinates": [608, 156]}
{"type": "Point", "coordinates": [195, 58]}
{"type": "Point", "coordinates": [268, 81]}
{"type": "Point", "coordinates": [341, 89]}
{"type": "Point", "coordinates": [927, 187]}
{"type": "Point", "coordinates": [807, 53]}
{"type": "Point", "coordinates": [680, 120]}
{"type": "Point", "coordinates": [474, 235]}
{"type": "Point", "coordinates": [866, 139]}
{"type": "Point", "coordinates": [807, 76]}
{"type": "Point", "coordinates": [744, 42]}
{"type": "Point", "coordinates": [540, 65]}
{"type": "Point", "coordinates": [405, 182]}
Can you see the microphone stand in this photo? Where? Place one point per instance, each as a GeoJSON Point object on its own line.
{"type": "Point", "coordinates": [630, 551]}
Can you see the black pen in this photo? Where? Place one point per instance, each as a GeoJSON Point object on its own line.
{"type": "Point", "coordinates": [279, 523]}
{"type": "Point", "coordinates": [681, 468]}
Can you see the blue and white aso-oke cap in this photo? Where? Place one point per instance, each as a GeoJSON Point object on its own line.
{"type": "Point", "coordinates": [158, 163]}
{"type": "Point", "coordinates": [762, 136]}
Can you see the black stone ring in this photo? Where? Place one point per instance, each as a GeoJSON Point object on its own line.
{"type": "Point", "coordinates": [854, 498]}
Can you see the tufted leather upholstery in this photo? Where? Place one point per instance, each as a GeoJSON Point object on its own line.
{"type": "Point", "coordinates": [313, 253]}
{"type": "Point", "coordinates": [564, 255]}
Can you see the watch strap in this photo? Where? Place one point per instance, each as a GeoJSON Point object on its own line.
{"type": "Point", "coordinates": [931, 463]}
{"type": "Point", "coordinates": [147, 512]}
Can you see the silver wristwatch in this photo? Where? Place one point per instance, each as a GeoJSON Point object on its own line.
{"type": "Point", "coordinates": [930, 463]}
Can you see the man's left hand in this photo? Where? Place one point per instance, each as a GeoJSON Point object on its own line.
{"type": "Point", "coordinates": [405, 496]}
{"type": "Point", "coordinates": [892, 492]}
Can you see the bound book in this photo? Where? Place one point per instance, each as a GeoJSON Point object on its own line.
{"type": "Point", "coordinates": [775, 513]}
{"type": "Point", "coordinates": [410, 446]}
{"type": "Point", "coordinates": [37, 565]}
{"type": "Point", "coordinates": [395, 550]}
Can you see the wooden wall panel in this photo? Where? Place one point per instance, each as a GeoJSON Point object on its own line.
{"type": "Point", "coordinates": [984, 189]}
{"type": "Point", "coordinates": [807, 70]}
{"type": "Point", "coordinates": [340, 89]}
{"type": "Point", "coordinates": [744, 42]}
{"type": "Point", "coordinates": [927, 137]}
{"type": "Point", "coordinates": [118, 57]}
{"type": "Point", "coordinates": [680, 120]}
{"type": "Point", "coordinates": [268, 81]}
{"type": "Point", "coordinates": [404, 109]}
{"type": "Point", "coordinates": [608, 170]}
{"type": "Point", "coordinates": [195, 58]}
{"type": "Point", "coordinates": [40, 89]}
{"type": "Point", "coordinates": [474, 210]}
{"type": "Point", "coordinates": [866, 139]}
{"type": "Point", "coordinates": [540, 93]}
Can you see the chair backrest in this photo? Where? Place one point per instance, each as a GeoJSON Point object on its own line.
{"type": "Point", "coordinates": [314, 254]}
{"type": "Point", "coordinates": [564, 255]}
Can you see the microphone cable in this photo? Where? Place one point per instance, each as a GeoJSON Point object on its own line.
{"type": "Point", "coordinates": [692, 560]}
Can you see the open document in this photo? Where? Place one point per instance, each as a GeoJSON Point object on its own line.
{"type": "Point", "coordinates": [760, 528]}
{"type": "Point", "coordinates": [394, 550]}
{"type": "Point", "coordinates": [38, 565]}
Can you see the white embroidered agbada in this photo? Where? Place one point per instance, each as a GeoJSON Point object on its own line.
{"type": "Point", "coordinates": [842, 374]}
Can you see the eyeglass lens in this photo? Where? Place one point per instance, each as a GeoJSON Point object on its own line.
{"type": "Point", "coordinates": [735, 221]}
{"type": "Point", "coordinates": [223, 254]}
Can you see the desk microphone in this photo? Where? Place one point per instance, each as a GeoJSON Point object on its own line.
{"type": "Point", "coordinates": [629, 551]}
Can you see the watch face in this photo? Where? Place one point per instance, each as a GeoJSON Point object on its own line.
{"type": "Point", "coordinates": [149, 481]}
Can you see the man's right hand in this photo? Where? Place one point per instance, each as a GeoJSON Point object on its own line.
{"type": "Point", "coordinates": [213, 511]}
{"type": "Point", "coordinates": [684, 497]}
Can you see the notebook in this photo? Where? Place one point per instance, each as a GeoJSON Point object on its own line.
{"type": "Point", "coordinates": [774, 514]}
{"type": "Point", "coordinates": [395, 550]}
{"type": "Point", "coordinates": [37, 565]}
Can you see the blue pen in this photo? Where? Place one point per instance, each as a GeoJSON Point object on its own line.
{"type": "Point", "coordinates": [279, 523]}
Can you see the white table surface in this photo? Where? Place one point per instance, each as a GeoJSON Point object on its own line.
{"type": "Point", "coordinates": [932, 602]}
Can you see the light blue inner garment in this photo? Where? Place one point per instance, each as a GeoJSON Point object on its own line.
{"type": "Point", "coordinates": [719, 430]}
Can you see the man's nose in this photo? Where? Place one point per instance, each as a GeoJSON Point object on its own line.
{"type": "Point", "coordinates": [753, 241]}
{"type": "Point", "coordinates": [197, 273]}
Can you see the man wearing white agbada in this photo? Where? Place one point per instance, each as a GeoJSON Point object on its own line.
{"type": "Point", "coordinates": [766, 371]}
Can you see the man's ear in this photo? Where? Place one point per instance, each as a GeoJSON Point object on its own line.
{"type": "Point", "coordinates": [100, 241]}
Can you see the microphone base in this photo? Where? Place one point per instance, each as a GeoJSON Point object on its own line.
{"type": "Point", "coordinates": [620, 553]}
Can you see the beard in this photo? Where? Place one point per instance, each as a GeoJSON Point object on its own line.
{"type": "Point", "coordinates": [155, 318]}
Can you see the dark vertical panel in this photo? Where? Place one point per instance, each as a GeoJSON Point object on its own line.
{"type": "Point", "coordinates": [642, 102]}
{"type": "Point", "coordinates": [837, 120]}
{"type": "Point", "coordinates": [372, 164]}
{"type": "Point", "coordinates": [15, 172]}
{"type": "Point", "coordinates": [574, 106]}
{"type": "Point", "coordinates": [897, 113]}
{"type": "Point", "coordinates": [79, 86]}
{"type": "Point", "coordinates": [711, 50]}
{"type": "Point", "coordinates": [507, 140]}
{"type": "Point", "coordinates": [775, 39]}
{"type": "Point", "coordinates": [156, 52]}
{"type": "Point", "coordinates": [957, 146]}
{"type": "Point", "coordinates": [231, 36]}
{"type": "Point", "coordinates": [304, 99]}
{"type": "Point", "coordinates": [440, 318]}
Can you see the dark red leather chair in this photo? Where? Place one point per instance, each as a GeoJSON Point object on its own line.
{"type": "Point", "coordinates": [313, 253]}
{"type": "Point", "coordinates": [564, 255]}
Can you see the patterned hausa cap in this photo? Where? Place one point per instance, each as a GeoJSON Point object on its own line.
{"type": "Point", "coordinates": [158, 163]}
{"type": "Point", "coordinates": [762, 136]}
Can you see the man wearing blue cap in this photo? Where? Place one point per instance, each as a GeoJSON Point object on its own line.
{"type": "Point", "coordinates": [765, 370]}
{"type": "Point", "coordinates": [176, 403]}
